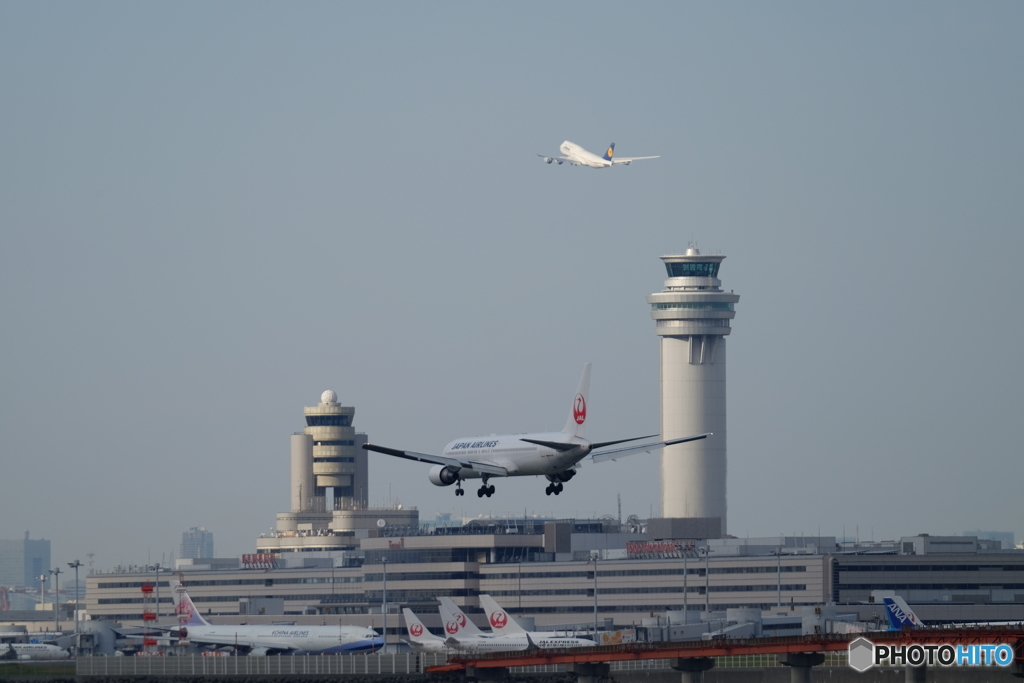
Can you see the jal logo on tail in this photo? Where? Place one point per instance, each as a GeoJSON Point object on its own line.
{"type": "Point", "coordinates": [579, 409]}
{"type": "Point", "coordinates": [416, 630]}
{"type": "Point", "coordinates": [461, 618]}
{"type": "Point", "coordinates": [499, 619]}
{"type": "Point", "coordinates": [452, 627]}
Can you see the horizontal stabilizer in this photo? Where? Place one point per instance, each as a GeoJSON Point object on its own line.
{"type": "Point", "coordinates": [556, 445]}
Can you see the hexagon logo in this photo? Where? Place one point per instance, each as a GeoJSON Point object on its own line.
{"type": "Point", "coordinates": [862, 654]}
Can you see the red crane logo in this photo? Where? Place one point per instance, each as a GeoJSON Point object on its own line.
{"type": "Point", "coordinates": [461, 618]}
{"type": "Point", "coordinates": [416, 630]}
{"type": "Point", "coordinates": [579, 409]}
{"type": "Point", "coordinates": [452, 627]}
{"type": "Point", "coordinates": [499, 619]}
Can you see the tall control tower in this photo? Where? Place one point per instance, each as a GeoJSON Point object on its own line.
{"type": "Point", "coordinates": [692, 316]}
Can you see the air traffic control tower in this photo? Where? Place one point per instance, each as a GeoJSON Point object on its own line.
{"type": "Point", "coordinates": [692, 317]}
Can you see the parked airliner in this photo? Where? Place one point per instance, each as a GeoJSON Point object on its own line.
{"type": "Point", "coordinates": [266, 639]}
{"type": "Point", "coordinates": [553, 455]}
{"type": "Point", "coordinates": [32, 651]}
{"type": "Point", "coordinates": [577, 156]}
{"type": "Point", "coordinates": [420, 639]}
{"type": "Point", "coordinates": [502, 624]}
{"type": "Point", "coordinates": [464, 635]}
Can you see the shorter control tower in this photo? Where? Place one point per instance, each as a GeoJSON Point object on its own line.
{"type": "Point", "coordinates": [692, 317]}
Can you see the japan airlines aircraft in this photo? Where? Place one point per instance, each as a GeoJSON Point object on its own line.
{"type": "Point", "coordinates": [503, 624]}
{"type": "Point", "coordinates": [553, 455]}
{"type": "Point", "coordinates": [465, 635]}
{"type": "Point", "coordinates": [272, 638]}
{"type": "Point", "coordinates": [577, 156]}
{"type": "Point", "coordinates": [33, 651]}
{"type": "Point", "coordinates": [421, 639]}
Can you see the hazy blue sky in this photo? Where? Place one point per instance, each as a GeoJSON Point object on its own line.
{"type": "Point", "coordinates": [211, 212]}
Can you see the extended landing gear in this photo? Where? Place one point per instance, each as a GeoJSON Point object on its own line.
{"type": "Point", "coordinates": [485, 490]}
{"type": "Point", "coordinates": [555, 488]}
{"type": "Point", "coordinates": [458, 488]}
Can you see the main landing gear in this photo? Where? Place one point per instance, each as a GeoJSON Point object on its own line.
{"type": "Point", "coordinates": [554, 488]}
{"type": "Point", "coordinates": [458, 488]}
{"type": "Point", "coordinates": [485, 490]}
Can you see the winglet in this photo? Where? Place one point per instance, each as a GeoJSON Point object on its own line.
{"type": "Point", "coordinates": [610, 153]}
{"type": "Point", "coordinates": [574, 426]}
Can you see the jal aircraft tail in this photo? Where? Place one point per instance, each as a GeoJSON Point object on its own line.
{"type": "Point", "coordinates": [465, 626]}
{"type": "Point", "coordinates": [900, 615]}
{"type": "Point", "coordinates": [610, 153]}
{"type": "Point", "coordinates": [187, 613]}
{"type": "Point", "coordinates": [501, 623]}
{"type": "Point", "coordinates": [574, 426]}
{"type": "Point", "coordinates": [418, 633]}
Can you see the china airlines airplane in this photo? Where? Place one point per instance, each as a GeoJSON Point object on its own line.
{"type": "Point", "coordinates": [267, 639]}
{"type": "Point", "coordinates": [577, 156]}
{"type": "Point", "coordinates": [553, 455]}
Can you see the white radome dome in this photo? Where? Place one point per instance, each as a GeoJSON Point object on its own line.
{"type": "Point", "coordinates": [329, 397]}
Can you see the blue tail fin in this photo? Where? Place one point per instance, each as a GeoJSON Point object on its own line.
{"type": "Point", "coordinates": [610, 153]}
{"type": "Point", "coordinates": [900, 615]}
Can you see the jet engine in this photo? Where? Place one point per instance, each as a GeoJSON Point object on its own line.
{"type": "Point", "coordinates": [442, 475]}
{"type": "Point", "coordinates": [548, 160]}
{"type": "Point", "coordinates": [561, 476]}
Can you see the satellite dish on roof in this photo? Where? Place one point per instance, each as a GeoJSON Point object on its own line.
{"type": "Point", "coordinates": [381, 523]}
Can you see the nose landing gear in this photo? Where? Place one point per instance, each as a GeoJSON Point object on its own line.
{"type": "Point", "coordinates": [555, 488]}
{"type": "Point", "coordinates": [458, 488]}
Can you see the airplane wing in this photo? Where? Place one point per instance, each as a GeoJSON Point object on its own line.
{"type": "Point", "coordinates": [627, 160]}
{"type": "Point", "coordinates": [561, 160]}
{"type": "Point", "coordinates": [617, 453]}
{"type": "Point", "coordinates": [455, 463]}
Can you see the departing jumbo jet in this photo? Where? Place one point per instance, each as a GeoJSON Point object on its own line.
{"type": "Point", "coordinates": [553, 455]}
{"type": "Point", "coordinates": [577, 156]}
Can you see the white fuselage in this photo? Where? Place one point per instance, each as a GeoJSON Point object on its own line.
{"type": "Point", "coordinates": [519, 457]}
{"type": "Point", "coordinates": [35, 651]}
{"type": "Point", "coordinates": [326, 639]}
{"type": "Point", "coordinates": [578, 155]}
{"type": "Point", "coordinates": [516, 642]}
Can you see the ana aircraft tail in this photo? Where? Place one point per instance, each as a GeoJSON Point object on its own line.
{"type": "Point", "coordinates": [501, 623]}
{"type": "Point", "coordinates": [187, 613]}
{"type": "Point", "coordinates": [900, 615]}
{"type": "Point", "coordinates": [574, 426]}
{"type": "Point", "coordinates": [610, 153]}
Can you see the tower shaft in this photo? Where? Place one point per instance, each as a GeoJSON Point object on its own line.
{"type": "Point", "coordinates": [693, 317]}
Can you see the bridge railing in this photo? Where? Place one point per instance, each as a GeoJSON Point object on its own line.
{"type": "Point", "coordinates": [197, 665]}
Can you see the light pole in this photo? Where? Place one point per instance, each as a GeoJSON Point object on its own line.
{"type": "Point", "coordinates": [384, 605]}
{"type": "Point", "coordinates": [56, 598]}
{"type": "Point", "coordinates": [75, 565]}
{"type": "Point", "coordinates": [778, 574]}
{"type": "Point", "coordinates": [594, 557]}
{"type": "Point", "coordinates": [157, 568]}
{"type": "Point", "coordinates": [685, 601]}
{"type": "Point", "coordinates": [707, 580]}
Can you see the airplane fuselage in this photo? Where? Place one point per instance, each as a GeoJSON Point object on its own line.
{"type": "Point", "coordinates": [32, 651]}
{"type": "Point", "coordinates": [519, 457]}
{"type": "Point", "coordinates": [325, 639]}
{"type": "Point", "coordinates": [513, 643]}
{"type": "Point", "coordinates": [578, 155]}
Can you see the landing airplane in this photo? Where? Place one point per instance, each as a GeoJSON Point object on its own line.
{"type": "Point", "coordinates": [267, 639]}
{"type": "Point", "coordinates": [577, 156]}
{"type": "Point", "coordinates": [33, 651]}
{"type": "Point", "coordinates": [553, 455]}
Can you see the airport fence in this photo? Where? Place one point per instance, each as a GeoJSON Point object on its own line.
{"type": "Point", "coordinates": [198, 665]}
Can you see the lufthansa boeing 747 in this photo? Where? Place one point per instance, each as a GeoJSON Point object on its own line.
{"type": "Point", "coordinates": [577, 156]}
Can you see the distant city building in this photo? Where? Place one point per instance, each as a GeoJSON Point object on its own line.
{"type": "Point", "coordinates": [197, 543]}
{"type": "Point", "coordinates": [1007, 538]}
{"type": "Point", "coordinates": [23, 561]}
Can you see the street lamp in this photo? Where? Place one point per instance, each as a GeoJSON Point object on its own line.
{"type": "Point", "coordinates": [594, 558]}
{"type": "Point", "coordinates": [75, 565]}
{"type": "Point", "coordinates": [56, 598]}
{"type": "Point", "coordinates": [384, 605]}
